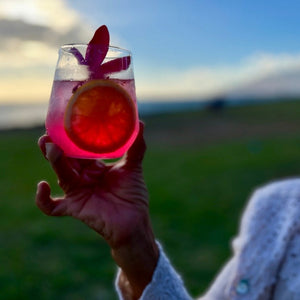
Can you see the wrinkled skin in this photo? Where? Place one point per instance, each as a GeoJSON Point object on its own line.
{"type": "Point", "coordinates": [112, 199]}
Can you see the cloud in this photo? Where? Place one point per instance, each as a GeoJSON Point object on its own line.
{"type": "Point", "coordinates": [31, 32]}
{"type": "Point", "coordinates": [51, 22]}
{"type": "Point", "coordinates": [270, 75]}
{"type": "Point", "coordinates": [284, 84]}
{"type": "Point", "coordinates": [23, 31]}
{"type": "Point", "coordinates": [259, 75]}
{"type": "Point", "coordinates": [55, 14]}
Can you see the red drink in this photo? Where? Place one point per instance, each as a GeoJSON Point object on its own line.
{"type": "Point", "coordinates": [62, 92]}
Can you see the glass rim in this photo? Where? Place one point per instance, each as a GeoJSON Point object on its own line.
{"type": "Point", "coordinates": [112, 48]}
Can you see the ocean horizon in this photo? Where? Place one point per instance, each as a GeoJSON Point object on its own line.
{"type": "Point", "coordinates": [22, 116]}
{"type": "Point", "coordinates": [14, 116]}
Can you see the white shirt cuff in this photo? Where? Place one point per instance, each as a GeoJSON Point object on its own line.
{"type": "Point", "coordinates": [166, 284]}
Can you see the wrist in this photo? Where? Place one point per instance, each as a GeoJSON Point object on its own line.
{"type": "Point", "coordinates": [138, 258]}
{"type": "Point", "coordinates": [141, 247]}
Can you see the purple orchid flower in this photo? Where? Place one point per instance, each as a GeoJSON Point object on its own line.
{"type": "Point", "coordinates": [96, 53]}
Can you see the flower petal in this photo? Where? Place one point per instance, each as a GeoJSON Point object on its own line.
{"type": "Point", "coordinates": [97, 48]}
{"type": "Point", "coordinates": [116, 65]}
{"type": "Point", "coordinates": [78, 55]}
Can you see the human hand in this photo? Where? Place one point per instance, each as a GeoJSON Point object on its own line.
{"type": "Point", "coordinates": [112, 199]}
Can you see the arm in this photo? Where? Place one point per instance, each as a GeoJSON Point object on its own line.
{"type": "Point", "coordinates": [137, 260]}
{"type": "Point", "coordinates": [112, 199]}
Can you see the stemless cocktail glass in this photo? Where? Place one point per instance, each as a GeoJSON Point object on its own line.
{"type": "Point", "coordinates": [93, 114]}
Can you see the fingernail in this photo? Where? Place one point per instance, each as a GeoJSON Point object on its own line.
{"type": "Point", "coordinates": [48, 147]}
{"type": "Point", "coordinates": [52, 152]}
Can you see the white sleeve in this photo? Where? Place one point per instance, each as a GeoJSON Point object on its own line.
{"type": "Point", "coordinates": [166, 284]}
{"type": "Point", "coordinates": [265, 261]}
{"type": "Point", "coordinates": [288, 284]}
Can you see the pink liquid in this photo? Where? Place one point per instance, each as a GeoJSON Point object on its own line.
{"type": "Point", "coordinates": [61, 94]}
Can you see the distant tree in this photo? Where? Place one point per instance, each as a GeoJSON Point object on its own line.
{"type": "Point", "coordinates": [217, 104]}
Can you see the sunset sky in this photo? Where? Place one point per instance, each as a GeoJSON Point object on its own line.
{"type": "Point", "coordinates": [181, 49]}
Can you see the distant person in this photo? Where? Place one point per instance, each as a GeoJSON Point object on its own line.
{"type": "Point", "coordinates": [113, 200]}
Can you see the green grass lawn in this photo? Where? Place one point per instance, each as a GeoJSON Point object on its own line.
{"type": "Point", "coordinates": [200, 168]}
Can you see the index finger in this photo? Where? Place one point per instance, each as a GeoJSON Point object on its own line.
{"type": "Point", "coordinates": [63, 167]}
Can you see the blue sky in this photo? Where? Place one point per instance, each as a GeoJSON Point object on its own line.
{"type": "Point", "coordinates": [182, 49]}
{"type": "Point", "coordinates": [218, 31]}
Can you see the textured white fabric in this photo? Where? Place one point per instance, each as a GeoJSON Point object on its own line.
{"type": "Point", "coordinates": [166, 284]}
{"type": "Point", "coordinates": [266, 253]}
{"type": "Point", "coordinates": [288, 285]}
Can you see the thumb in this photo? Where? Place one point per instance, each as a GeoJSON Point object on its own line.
{"type": "Point", "coordinates": [136, 152]}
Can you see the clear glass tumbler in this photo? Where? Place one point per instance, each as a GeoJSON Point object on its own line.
{"type": "Point", "coordinates": [93, 113]}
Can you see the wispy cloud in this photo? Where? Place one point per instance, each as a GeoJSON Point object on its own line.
{"type": "Point", "coordinates": [55, 14]}
{"type": "Point", "coordinates": [31, 32]}
{"type": "Point", "coordinates": [241, 79]}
